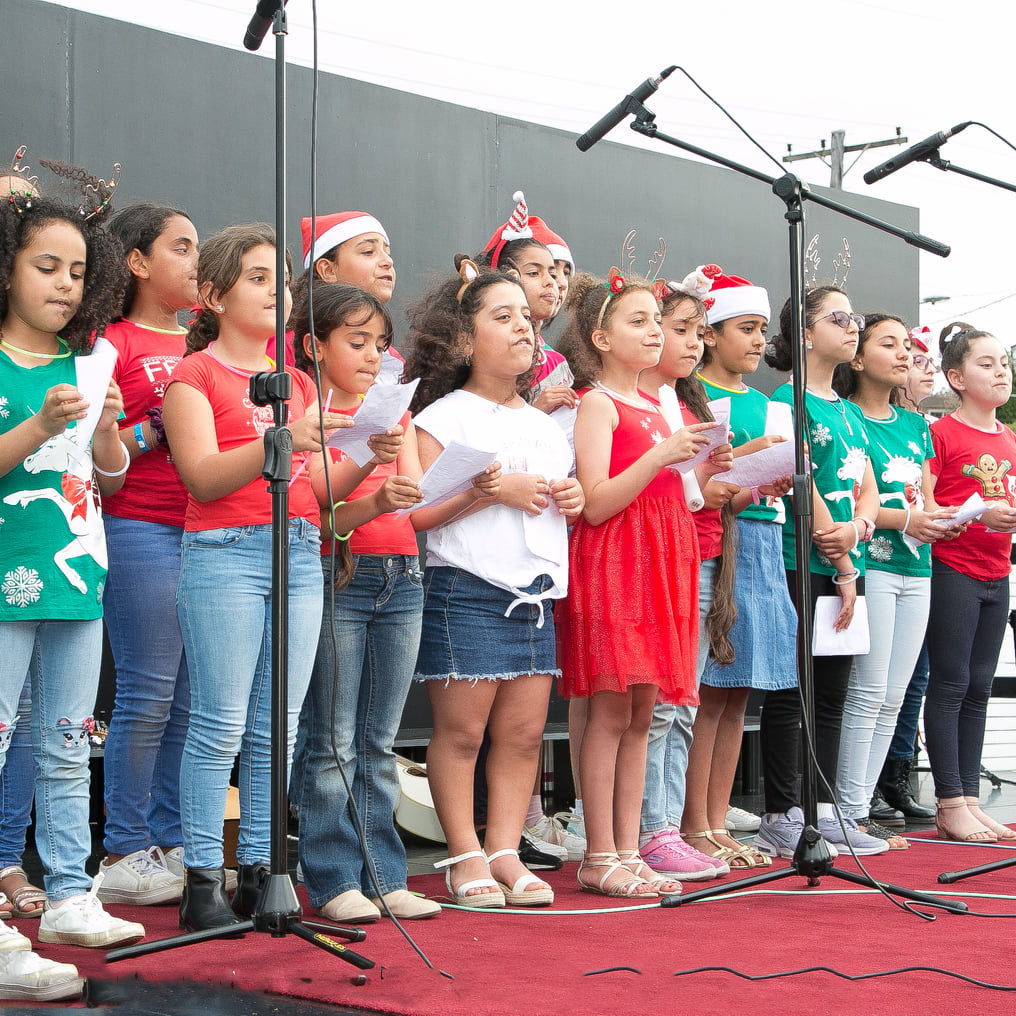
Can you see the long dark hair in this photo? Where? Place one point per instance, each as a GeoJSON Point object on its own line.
{"type": "Point", "coordinates": [779, 354]}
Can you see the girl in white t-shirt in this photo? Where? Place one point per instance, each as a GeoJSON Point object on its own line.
{"type": "Point", "coordinates": [497, 554]}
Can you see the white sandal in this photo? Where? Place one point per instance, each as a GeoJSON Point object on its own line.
{"type": "Point", "coordinates": [519, 895]}
{"type": "Point", "coordinates": [479, 901]}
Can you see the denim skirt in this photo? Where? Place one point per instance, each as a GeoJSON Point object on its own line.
{"type": "Point", "coordinates": [466, 635]}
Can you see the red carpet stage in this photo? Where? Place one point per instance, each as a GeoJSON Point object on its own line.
{"type": "Point", "coordinates": [546, 962]}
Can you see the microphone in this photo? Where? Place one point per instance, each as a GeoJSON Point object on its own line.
{"type": "Point", "coordinates": [608, 122]}
{"type": "Point", "coordinates": [914, 153]}
{"type": "Point", "coordinates": [260, 23]}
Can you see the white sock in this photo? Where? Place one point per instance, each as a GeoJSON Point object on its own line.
{"type": "Point", "coordinates": [826, 810]}
{"type": "Point", "coordinates": [578, 807]}
{"type": "Point", "coordinates": [535, 812]}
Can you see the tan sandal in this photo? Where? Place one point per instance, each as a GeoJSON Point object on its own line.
{"type": "Point", "coordinates": [625, 887]}
{"type": "Point", "coordinates": [980, 834]}
{"type": "Point", "coordinates": [1002, 832]}
{"type": "Point", "coordinates": [23, 894]}
{"type": "Point", "coordinates": [632, 860]}
{"type": "Point", "coordinates": [737, 857]}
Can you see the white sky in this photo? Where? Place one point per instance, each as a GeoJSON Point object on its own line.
{"type": "Point", "coordinates": [790, 71]}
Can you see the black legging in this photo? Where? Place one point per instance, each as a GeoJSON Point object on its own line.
{"type": "Point", "coordinates": [965, 631]}
{"type": "Point", "coordinates": [781, 719]}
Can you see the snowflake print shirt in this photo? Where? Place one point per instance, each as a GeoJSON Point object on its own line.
{"type": "Point", "coordinates": [838, 448]}
{"type": "Point", "coordinates": [52, 544]}
{"type": "Point", "coordinates": [898, 448]}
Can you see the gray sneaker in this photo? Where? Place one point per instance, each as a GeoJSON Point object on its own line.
{"type": "Point", "coordinates": [780, 832]}
{"type": "Point", "coordinates": [859, 843]}
{"type": "Point", "coordinates": [141, 878]}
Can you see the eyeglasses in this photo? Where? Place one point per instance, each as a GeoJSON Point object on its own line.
{"type": "Point", "coordinates": [843, 319]}
{"type": "Point", "coordinates": [922, 362]}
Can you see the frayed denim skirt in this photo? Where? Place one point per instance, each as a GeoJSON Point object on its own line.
{"type": "Point", "coordinates": [466, 635]}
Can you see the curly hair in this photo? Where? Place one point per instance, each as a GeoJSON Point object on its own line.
{"type": "Point", "coordinates": [335, 305]}
{"type": "Point", "coordinates": [779, 354]}
{"type": "Point", "coordinates": [137, 227]}
{"type": "Point", "coordinates": [219, 265]}
{"type": "Point", "coordinates": [845, 377]}
{"type": "Point", "coordinates": [437, 326]}
{"type": "Point", "coordinates": [105, 271]}
{"type": "Point", "coordinates": [591, 306]}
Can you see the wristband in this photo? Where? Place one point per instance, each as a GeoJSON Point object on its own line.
{"type": "Point", "coordinates": [119, 472]}
{"type": "Point", "coordinates": [755, 499]}
{"type": "Point", "coordinates": [857, 533]}
{"type": "Point", "coordinates": [331, 516]}
{"type": "Point", "coordinates": [139, 436]}
{"type": "Point", "coordinates": [869, 528]}
{"type": "Point", "coordinates": [845, 578]}
{"type": "Point", "coordinates": [906, 521]}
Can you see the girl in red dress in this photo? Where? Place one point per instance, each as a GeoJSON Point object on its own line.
{"type": "Point", "coordinates": [629, 629]}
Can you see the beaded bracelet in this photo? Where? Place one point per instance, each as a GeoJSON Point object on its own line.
{"type": "Point", "coordinates": [845, 578]}
{"type": "Point", "coordinates": [119, 472]}
{"type": "Point", "coordinates": [139, 436]}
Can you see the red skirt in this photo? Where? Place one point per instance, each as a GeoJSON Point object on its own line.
{"type": "Point", "coordinates": [631, 616]}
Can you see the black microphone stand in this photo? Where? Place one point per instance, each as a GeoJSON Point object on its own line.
{"type": "Point", "coordinates": [812, 858]}
{"type": "Point", "coordinates": [277, 910]}
{"type": "Point", "coordinates": [935, 159]}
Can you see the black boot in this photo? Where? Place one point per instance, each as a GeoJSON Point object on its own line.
{"type": "Point", "coordinates": [204, 903]}
{"type": "Point", "coordinates": [895, 786]}
{"type": "Point", "coordinates": [882, 811]}
{"type": "Point", "coordinates": [248, 884]}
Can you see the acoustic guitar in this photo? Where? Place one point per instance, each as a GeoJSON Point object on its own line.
{"type": "Point", "coordinates": [414, 807]}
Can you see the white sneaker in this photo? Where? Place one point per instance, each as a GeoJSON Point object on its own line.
{"type": "Point", "coordinates": [575, 824]}
{"type": "Point", "coordinates": [27, 977]}
{"type": "Point", "coordinates": [142, 879]}
{"type": "Point", "coordinates": [81, 920]}
{"type": "Point", "coordinates": [740, 821]}
{"type": "Point", "coordinates": [173, 859]}
{"type": "Point", "coordinates": [550, 836]}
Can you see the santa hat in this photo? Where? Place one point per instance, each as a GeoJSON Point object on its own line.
{"type": "Point", "coordinates": [732, 297]}
{"type": "Point", "coordinates": [551, 240]}
{"type": "Point", "coordinates": [335, 229]}
{"type": "Point", "coordinates": [921, 338]}
{"type": "Point", "coordinates": [516, 228]}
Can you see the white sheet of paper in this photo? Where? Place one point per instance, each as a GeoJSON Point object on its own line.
{"type": "Point", "coordinates": [383, 407]}
{"type": "Point", "coordinates": [771, 463]}
{"type": "Point", "coordinates": [92, 374]}
{"type": "Point", "coordinates": [670, 406]}
{"type": "Point", "coordinates": [968, 511]}
{"type": "Point", "coordinates": [450, 473]}
{"type": "Point", "coordinates": [826, 641]}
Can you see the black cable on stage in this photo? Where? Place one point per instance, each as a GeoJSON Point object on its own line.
{"type": "Point", "coordinates": [330, 599]}
{"type": "Point", "coordinates": [847, 977]}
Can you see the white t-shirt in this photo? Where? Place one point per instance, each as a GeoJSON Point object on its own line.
{"type": "Point", "coordinates": [503, 546]}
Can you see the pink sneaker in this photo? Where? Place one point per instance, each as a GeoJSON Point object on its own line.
{"type": "Point", "coordinates": [668, 854]}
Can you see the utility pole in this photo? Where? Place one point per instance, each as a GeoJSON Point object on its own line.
{"type": "Point", "coordinates": [836, 152]}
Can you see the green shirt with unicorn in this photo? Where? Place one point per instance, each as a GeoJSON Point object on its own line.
{"type": "Point", "coordinates": [898, 447]}
{"type": "Point", "coordinates": [52, 543]}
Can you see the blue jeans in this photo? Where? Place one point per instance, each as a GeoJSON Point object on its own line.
{"type": "Point", "coordinates": [905, 738]}
{"type": "Point", "coordinates": [62, 659]}
{"type": "Point", "coordinates": [897, 620]}
{"type": "Point", "coordinates": [225, 607]}
{"type": "Point", "coordinates": [149, 722]}
{"type": "Point", "coordinates": [17, 784]}
{"type": "Point", "coordinates": [357, 693]}
{"type": "Point", "coordinates": [965, 632]}
{"type": "Point", "coordinates": [670, 733]}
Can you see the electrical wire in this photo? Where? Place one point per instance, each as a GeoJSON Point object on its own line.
{"type": "Point", "coordinates": [839, 973]}
{"type": "Point", "coordinates": [330, 599]}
